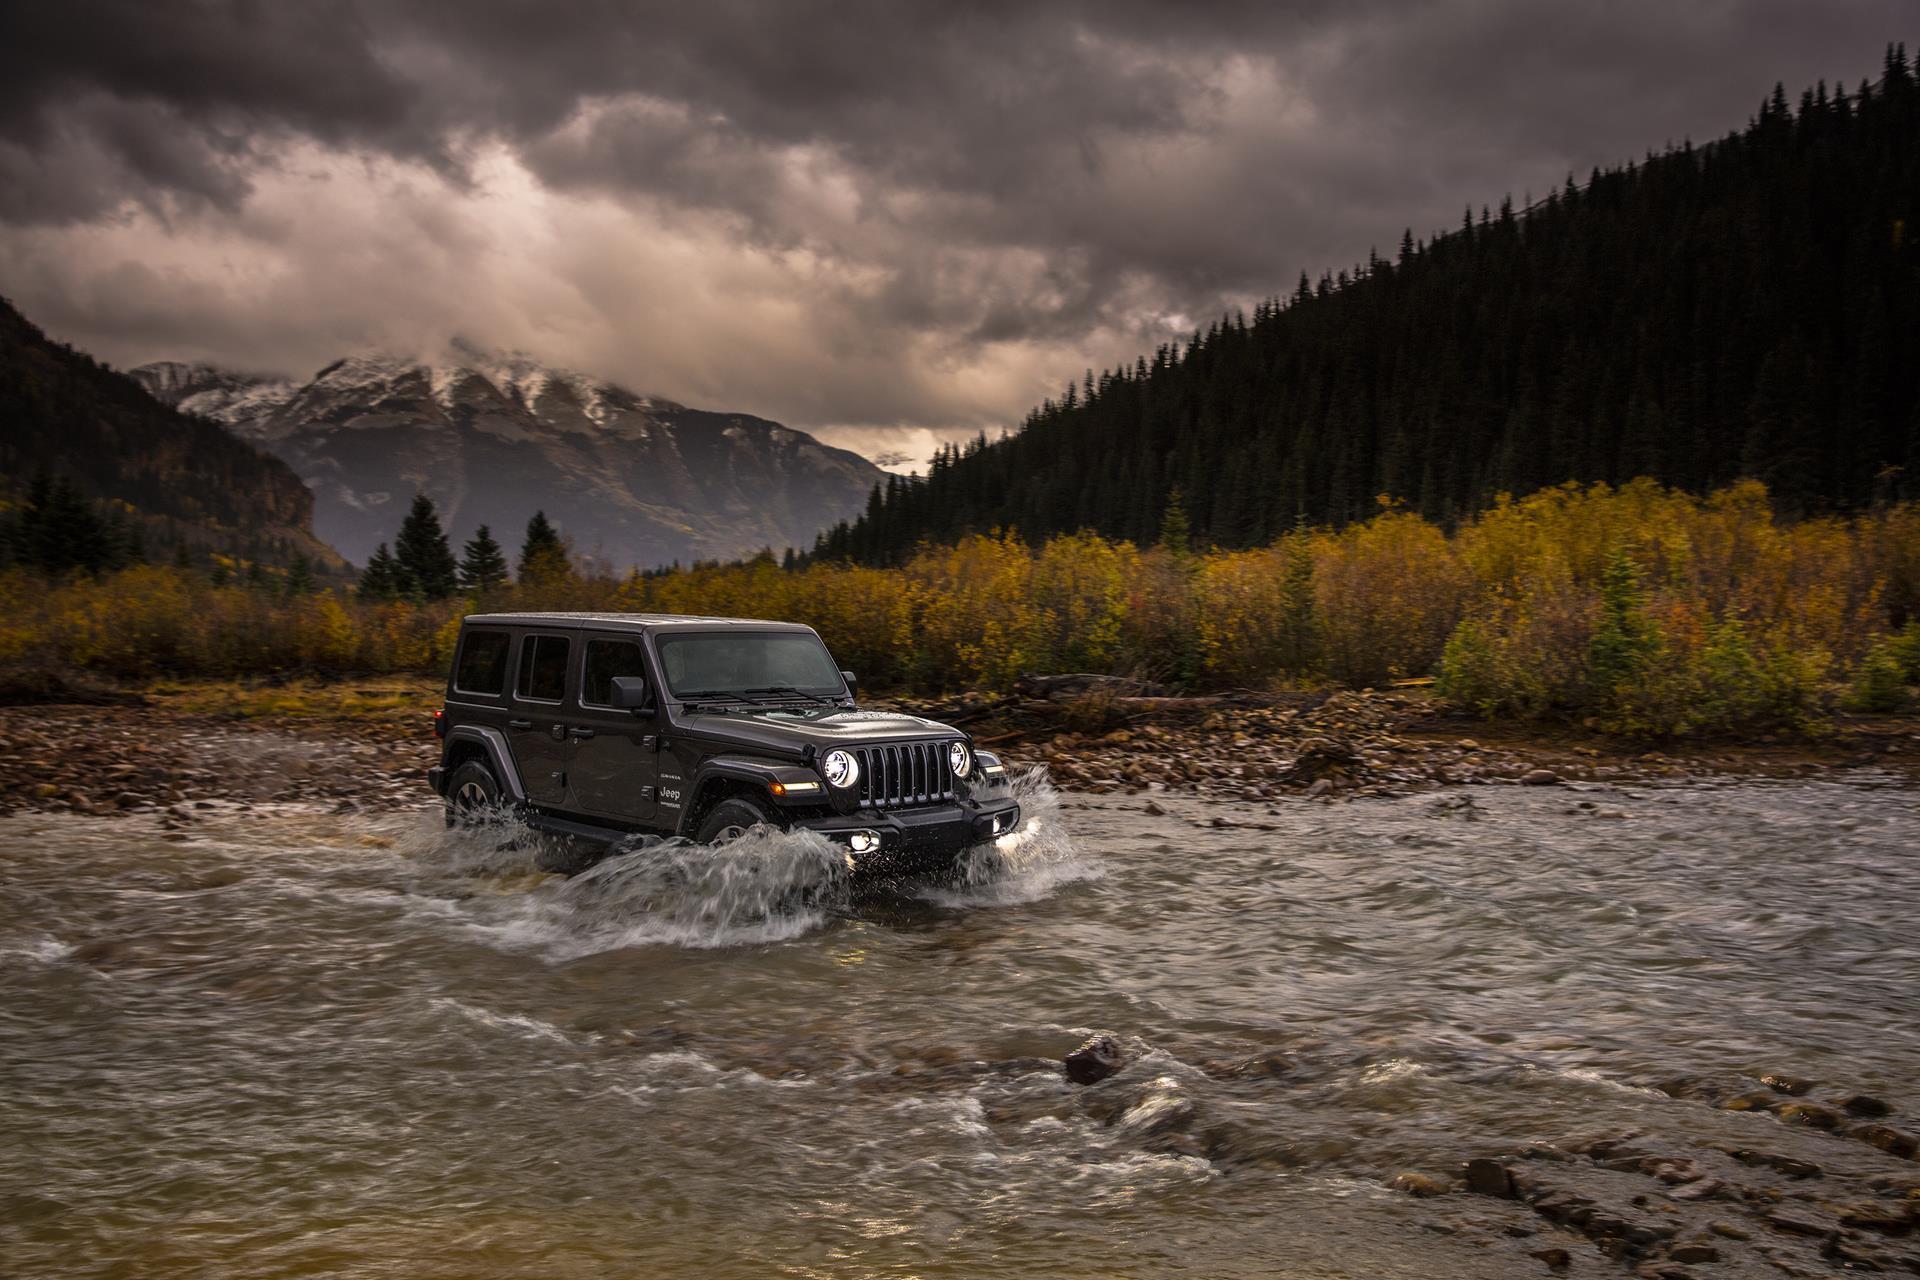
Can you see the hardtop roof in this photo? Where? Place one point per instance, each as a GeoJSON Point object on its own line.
{"type": "Point", "coordinates": [624, 621]}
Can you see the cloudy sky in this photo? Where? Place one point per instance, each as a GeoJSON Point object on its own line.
{"type": "Point", "coordinates": [879, 221]}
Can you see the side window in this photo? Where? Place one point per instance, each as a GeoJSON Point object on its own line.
{"type": "Point", "coordinates": [543, 668]}
{"type": "Point", "coordinates": [605, 660]}
{"type": "Point", "coordinates": [482, 667]}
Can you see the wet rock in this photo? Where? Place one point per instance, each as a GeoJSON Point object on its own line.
{"type": "Point", "coordinates": [1488, 1178]}
{"type": "Point", "coordinates": [1789, 1166]}
{"type": "Point", "coordinates": [1094, 1061]}
{"type": "Point", "coordinates": [1696, 1252]}
{"type": "Point", "coordinates": [1557, 1259]}
{"type": "Point", "coordinates": [1319, 788]}
{"type": "Point", "coordinates": [1704, 1189]}
{"type": "Point", "coordinates": [1792, 1086]}
{"type": "Point", "coordinates": [1164, 1109]}
{"type": "Point", "coordinates": [1891, 1217]}
{"type": "Point", "coordinates": [1415, 1183]}
{"type": "Point", "coordinates": [1865, 1106]}
{"type": "Point", "coordinates": [1795, 1222]}
{"type": "Point", "coordinates": [1893, 1141]}
{"type": "Point", "coordinates": [1754, 1101]}
{"type": "Point", "coordinates": [1539, 778]}
{"type": "Point", "coordinates": [1812, 1114]}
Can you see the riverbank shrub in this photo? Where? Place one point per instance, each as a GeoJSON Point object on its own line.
{"type": "Point", "coordinates": [1635, 609]}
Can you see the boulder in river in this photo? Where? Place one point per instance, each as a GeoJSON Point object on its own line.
{"type": "Point", "coordinates": [1100, 1057]}
{"type": "Point", "coordinates": [1488, 1178]}
{"type": "Point", "coordinates": [1415, 1183]}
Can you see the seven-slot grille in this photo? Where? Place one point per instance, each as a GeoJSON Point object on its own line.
{"type": "Point", "coordinates": [904, 774]}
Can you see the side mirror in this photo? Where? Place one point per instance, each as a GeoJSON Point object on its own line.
{"type": "Point", "coordinates": [630, 694]}
{"type": "Point", "coordinates": [852, 682]}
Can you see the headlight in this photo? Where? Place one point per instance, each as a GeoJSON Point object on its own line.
{"type": "Point", "coordinates": [841, 769]}
{"type": "Point", "coordinates": [959, 759]}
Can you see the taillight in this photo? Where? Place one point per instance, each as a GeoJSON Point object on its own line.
{"type": "Point", "coordinates": [440, 723]}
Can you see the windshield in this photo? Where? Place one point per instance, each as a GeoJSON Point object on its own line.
{"type": "Point", "coordinates": [739, 662]}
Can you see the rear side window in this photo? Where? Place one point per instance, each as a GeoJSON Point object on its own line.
{"type": "Point", "coordinates": [543, 668]}
{"type": "Point", "coordinates": [605, 660]}
{"type": "Point", "coordinates": [482, 667]}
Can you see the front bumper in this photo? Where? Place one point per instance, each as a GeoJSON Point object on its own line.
{"type": "Point", "coordinates": [909, 838]}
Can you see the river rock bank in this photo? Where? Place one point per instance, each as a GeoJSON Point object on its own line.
{"type": "Point", "coordinates": [171, 752]}
{"type": "Point", "coordinates": [1365, 743]}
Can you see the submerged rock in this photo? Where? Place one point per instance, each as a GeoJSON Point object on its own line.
{"type": "Point", "coordinates": [1792, 1086]}
{"type": "Point", "coordinates": [1094, 1061]}
{"type": "Point", "coordinates": [1415, 1183]}
{"type": "Point", "coordinates": [1488, 1178]}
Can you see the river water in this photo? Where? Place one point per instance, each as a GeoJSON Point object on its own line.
{"type": "Point", "coordinates": [298, 1043]}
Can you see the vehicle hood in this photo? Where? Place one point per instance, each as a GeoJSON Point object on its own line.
{"type": "Point", "coordinates": [793, 729]}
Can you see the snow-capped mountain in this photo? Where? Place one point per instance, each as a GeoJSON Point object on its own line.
{"type": "Point", "coordinates": [491, 438]}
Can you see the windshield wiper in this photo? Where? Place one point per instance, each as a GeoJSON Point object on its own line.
{"type": "Point", "coordinates": [785, 691]}
{"type": "Point", "coordinates": [709, 699]}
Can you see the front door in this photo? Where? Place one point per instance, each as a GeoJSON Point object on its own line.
{"type": "Point", "coordinates": [615, 769]}
{"type": "Point", "coordinates": [537, 727]}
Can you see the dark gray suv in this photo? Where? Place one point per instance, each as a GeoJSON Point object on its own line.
{"type": "Point", "coordinates": [607, 725]}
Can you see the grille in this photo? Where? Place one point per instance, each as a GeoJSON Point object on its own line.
{"type": "Point", "coordinates": [903, 775]}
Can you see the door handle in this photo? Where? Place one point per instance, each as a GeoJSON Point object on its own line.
{"type": "Point", "coordinates": [519, 724]}
{"type": "Point", "coordinates": [581, 731]}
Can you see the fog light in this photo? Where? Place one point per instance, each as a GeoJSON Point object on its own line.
{"type": "Point", "coordinates": [1003, 823]}
{"type": "Point", "coordinates": [864, 841]}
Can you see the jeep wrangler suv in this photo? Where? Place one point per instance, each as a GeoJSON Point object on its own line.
{"type": "Point", "coordinates": [607, 725]}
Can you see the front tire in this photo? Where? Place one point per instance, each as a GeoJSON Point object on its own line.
{"type": "Point", "coordinates": [732, 816]}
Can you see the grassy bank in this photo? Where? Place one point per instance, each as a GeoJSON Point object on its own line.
{"type": "Point", "coordinates": [1635, 610]}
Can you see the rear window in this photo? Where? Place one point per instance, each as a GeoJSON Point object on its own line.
{"type": "Point", "coordinates": [482, 667]}
{"type": "Point", "coordinates": [543, 668]}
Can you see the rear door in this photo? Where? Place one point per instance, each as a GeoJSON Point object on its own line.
{"type": "Point", "coordinates": [537, 724]}
{"type": "Point", "coordinates": [615, 770]}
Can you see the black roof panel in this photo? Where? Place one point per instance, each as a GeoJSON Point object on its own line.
{"type": "Point", "coordinates": [623, 621]}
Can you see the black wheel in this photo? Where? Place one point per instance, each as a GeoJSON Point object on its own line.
{"type": "Point", "coordinates": [473, 793]}
{"type": "Point", "coordinates": [732, 816]}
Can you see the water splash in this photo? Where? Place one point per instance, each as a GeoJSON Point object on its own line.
{"type": "Point", "coordinates": [1025, 865]}
{"type": "Point", "coordinates": [763, 887]}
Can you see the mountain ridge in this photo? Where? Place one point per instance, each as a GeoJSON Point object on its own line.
{"type": "Point", "coordinates": [1714, 312]}
{"type": "Point", "coordinates": [491, 437]}
{"type": "Point", "coordinates": [186, 482]}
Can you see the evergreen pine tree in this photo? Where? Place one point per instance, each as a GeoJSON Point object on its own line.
{"type": "Point", "coordinates": [543, 556]}
{"type": "Point", "coordinates": [421, 552]}
{"type": "Point", "coordinates": [1176, 534]}
{"type": "Point", "coordinates": [483, 565]}
{"type": "Point", "coordinates": [380, 579]}
{"type": "Point", "coordinates": [299, 576]}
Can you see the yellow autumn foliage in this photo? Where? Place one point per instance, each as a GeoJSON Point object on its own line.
{"type": "Point", "coordinates": [1728, 599]}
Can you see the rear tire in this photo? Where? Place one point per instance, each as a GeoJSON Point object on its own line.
{"type": "Point", "coordinates": [734, 815]}
{"type": "Point", "coordinates": [473, 795]}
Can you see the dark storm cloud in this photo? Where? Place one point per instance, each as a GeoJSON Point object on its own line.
{"type": "Point", "coordinates": [1078, 177]}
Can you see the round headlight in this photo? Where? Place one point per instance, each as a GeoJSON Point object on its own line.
{"type": "Point", "coordinates": [959, 759]}
{"type": "Point", "coordinates": [840, 768]}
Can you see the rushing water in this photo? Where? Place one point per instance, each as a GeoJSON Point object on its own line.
{"type": "Point", "coordinates": [302, 1044]}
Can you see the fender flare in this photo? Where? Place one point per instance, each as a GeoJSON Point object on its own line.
{"type": "Point", "coordinates": [493, 745]}
{"type": "Point", "coordinates": [738, 768]}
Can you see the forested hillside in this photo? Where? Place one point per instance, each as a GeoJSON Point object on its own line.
{"type": "Point", "coordinates": [186, 486]}
{"type": "Point", "coordinates": [1748, 308]}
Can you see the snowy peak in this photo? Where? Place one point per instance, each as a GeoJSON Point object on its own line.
{"type": "Point", "coordinates": [493, 436]}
